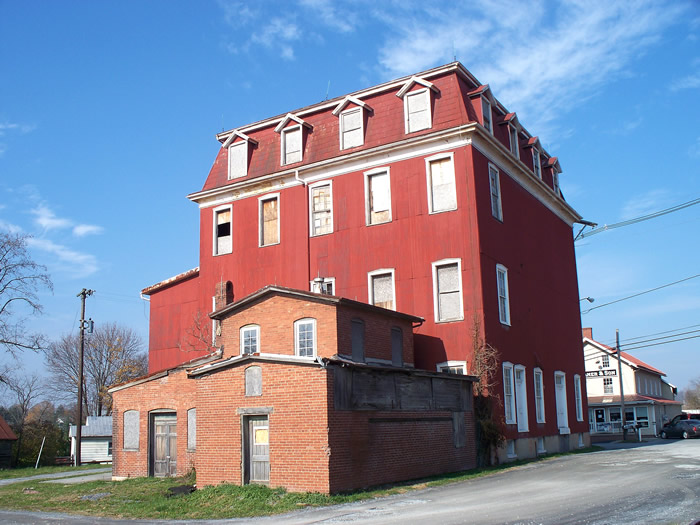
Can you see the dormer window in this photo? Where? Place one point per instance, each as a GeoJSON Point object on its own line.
{"type": "Point", "coordinates": [416, 104]}
{"type": "Point", "coordinates": [486, 114]}
{"type": "Point", "coordinates": [536, 166]}
{"type": "Point", "coordinates": [351, 125]}
{"type": "Point", "coordinates": [514, 146]}
{"type": "Point", "coordinates": [291, 139]}
{"type": "Point", "coordinates": [238, 145]}
{"type": "Point", "coordinates": [555, 181]}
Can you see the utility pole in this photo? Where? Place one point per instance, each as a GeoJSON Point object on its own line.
{"type": "Point", "coordinates": [84, 293]}
{"type": "Point", "coordinates": [622, 390]}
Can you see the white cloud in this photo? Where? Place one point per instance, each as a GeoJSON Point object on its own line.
{"type": "Point", "coordinates": [82, 230]}
{"type": "Point", "coordinates": [9, 227]}
{"type": "Point", "coordinates": [649, 202]}
{"type": "Point", "coordinates": [688, 82]}
{"type": "Point", "coordinates": [75, 263]}
{"type": "Point", "coordinates": [345, 21]}
{"type": "Point", "coordinates": [46, 219]}
{"type": "Point", "coordinates": [278, 34]}
{"type": "Point", "coordinates": [539, 59]}
{"type": "Point", "coordinates": [13, 126]}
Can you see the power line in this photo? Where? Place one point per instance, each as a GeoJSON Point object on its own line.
{"type": "Point", "coordinates": [663, 343]}
{"type": "Point", "coordinates": [661, 333]}
{"type": "Point", "coordinates": [641, 293]}
{"type": "Point", "coordinates": [628, 222]}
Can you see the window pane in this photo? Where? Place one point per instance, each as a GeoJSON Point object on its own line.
{"type": "Point", "coordinates": [494, 183]}
{"type": "Point", "coordinates": [292, 146]}
{"type": "Point", "coordinates": [448, 292]}
{"type": "Point", "coordinates": [321, 210]}
{"type": "Point", "coordinates": [305, 338]}
{"type": "Point", "coordinates": [269, 222]}
{"type": "Point", "coordinates": [418, 110]}
{"type": "Point", "coordinates": [238, 160]}
{"type": "Point", "coordinates": [442, 185]}
{"type": "Point", "coordinates": [383, 291]}
{"type": "Point", "coordinates": [223, 231]}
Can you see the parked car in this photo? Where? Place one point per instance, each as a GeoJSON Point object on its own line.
{"type": "Point", "coordinates": [683, 428]}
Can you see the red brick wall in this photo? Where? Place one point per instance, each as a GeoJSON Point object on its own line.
{"type": "Point", "coordinates": [276, 317]}
{"type": "Point", "coordinates": [298, 425]}
{"type": "Point", "coordinates": [174, 392]}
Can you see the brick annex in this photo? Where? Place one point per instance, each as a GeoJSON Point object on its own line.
{"type": "Point", "coordinates": [352, 256]}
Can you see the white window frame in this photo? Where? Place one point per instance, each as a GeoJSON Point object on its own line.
{"type": "Point", "coordinates": [241, 146]}
{"type": "Point", "coordinates": [608, 382]}
{"type": "Point", "coordinates": [503, 295]}
{"type": "Point", "coordinates": [579, 399]}
{"type": "Point", "coordinates": [605, 361]}
{"type": "Point", "coordinates": [213, 321]}
{"type": "Point", "coordinates": [368, 200]}
{"type": "Point", "coordinates": [283, 144]}
{"type": "Point", "coordinates": [521, 415]}
{"type": "Point", "coordinates": [328, 183]}
{"type": "Point", "coordinates": [425, 92]}
{"type": "Point", "coordinates": [317, 287]}
{"type": "Point", "coordinates": [215, 237]}
{"type": "Point", "coordinates": [297, 324]}
{"type": "Point", "coordinates": [486, 104]}
{"type": "Point", "coordinates": [429, 181]}
{"type": "Point", "coordinates": [514, 144]}
{"type": "Point", "coordinates": [446, 365]}
{"type": "Point", "coordinates": [261, 239]}
{"type": "Point", "coordinates": [536, 165]}
{"type": "Point", "coordinates": [538, 379]}
{"type": "Point", "coordinates": [562, 423]}
{"type": "Point", "coordinates": [341, 120]}
{"type": "Point", "coordinates": [436, 298]}
{"type": "Point", "coordinates": [495, 190]}
{"type": "Point", "coordinates": [509, 401]}
{"type": "Point", "coordinates": [370, 285]}
{"type": "Point", "coordinates": [249, 327]}
{"type": "Point", "coordinates": [555, 182]}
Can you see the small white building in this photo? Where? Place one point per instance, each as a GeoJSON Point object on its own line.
{"type": "Point", "coordinates": [96, 439]}
{"type": "Point", "coordinates": [649, 399]}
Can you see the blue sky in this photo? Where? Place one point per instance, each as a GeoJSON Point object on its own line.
{"type": "Point", "coordinates": [108, 112]}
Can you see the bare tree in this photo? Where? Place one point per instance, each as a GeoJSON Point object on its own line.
{"type": "Point", "coordinates": [198, 336]}
{"type": "Point", "coordinates": [691, 395]}
{"type": "Point", "coordinates": [24, 390]}
{"type": "Point", "coordinates": [113, 354]}
{"type": "Point", "coordinates": [20, 281]}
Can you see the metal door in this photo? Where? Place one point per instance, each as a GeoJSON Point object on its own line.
{"type": "Point", "coordinates": [258, 450]}
{"type": "Point", "coordinates": [164, 445]}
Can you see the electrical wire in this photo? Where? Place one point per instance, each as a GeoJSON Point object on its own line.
{"type": "Point", "coordinates": [641, 293]}
{"type": "Point", "coordinates": [612, 342]}
{"type": "Point", "coordinates": [663, 343]}
{"type": "Point", "coordinates": [628, 222]}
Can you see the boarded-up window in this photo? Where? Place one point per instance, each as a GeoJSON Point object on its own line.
{"type": "Point", "coordinates": [382, 290]}
{"type": "Point", "coordinates": [192, 429]}
{"type": "Point", "coordinates": [222, 231]}
{"type": "Point", "coordinates": [396, 346]}
{"type": "Point", "coordinates": [321, 211]}
{"type": "Point", "coordinates": [351, 128]}
{"type": "Point", "coordinates": [495, 185]}
{"type": "Point", "coordinates": [379, 198]}
{"type": "Point", "coordinates": [449, 293]}
{"type": "Point", "coordinates": [131, 429]}
{"type": "Point", "coordinates": [238, 160]}
{"type": "Point", "coordinates": [305, 337]}
{"type": "Point", "coordinates": [358, 340]}
{"type": "Point", "coordinates": [291, 145]}
{"type": "Point", "coordinates": [418, 110]}
{"type": "Point", "coordinates": [250, 339]}
{"type": "Point", "coordinates": [269, 221]}
{"type": "Point", "coordinates": [443, 194]}
{"type": "Point", "coordinates": [503, 299]}
{"type": "Point", "coordinates": [253, 381]}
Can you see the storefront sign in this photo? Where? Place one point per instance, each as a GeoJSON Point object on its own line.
{"type": "Point", "coordinates": [601, 373]}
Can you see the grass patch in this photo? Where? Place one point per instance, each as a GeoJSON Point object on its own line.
{"type": "Point", "coordinates": [148, 498]}
{"type": "Point", "coordinates": [31, 471]}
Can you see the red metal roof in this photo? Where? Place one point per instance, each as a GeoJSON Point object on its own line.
{"type": "Point", "coordinates": [5, 431]}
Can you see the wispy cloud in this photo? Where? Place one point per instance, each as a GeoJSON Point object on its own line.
{"type": "Point", "coordinates": [9, 227]}
{"type": "Point", "coordinates": [47, 220]}
{"type": "Point", "coordinates": [649, 202]}
{"type": "Point", "coordinates": [12, 127]}
{"type": "Point", "coordinates": [538, 58]}
{"type": "Point", "coordinates": [333, 15]}
{"type": "Point", "coordinates": [75, 263]}
{"type": "Point", "coordinates": [689, 82]}
{"type": "Point", "coordinates": [81, 230]}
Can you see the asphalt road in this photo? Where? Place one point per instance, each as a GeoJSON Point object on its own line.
{"type": "Point", "coordinates": [655, 483]}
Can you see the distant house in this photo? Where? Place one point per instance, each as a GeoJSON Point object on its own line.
{"type": "Point", "coordinates": [96, 439]}
{"type": "Point", "coordinates": [649, 399]}
{"type": "Point", "coordinates": [6, 439]}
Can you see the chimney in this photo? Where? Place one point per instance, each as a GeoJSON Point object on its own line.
{"type": "Point", "coordinates": [223, 291]}
{"type": "Point", "coordinates": [588, 333]}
